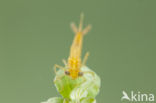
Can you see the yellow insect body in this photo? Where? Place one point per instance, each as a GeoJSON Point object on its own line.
{"type": "Point", "coordinates": [74, 61]}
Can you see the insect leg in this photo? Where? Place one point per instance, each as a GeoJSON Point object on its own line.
{"type": "Point", "coordinates": [59, 67]}
{"type": "Point", "coordinates": [85, 58]}
{"type": "Point", "coordinates": [65, 62]}
{"type": "Point", "coordinates": [58, 78]}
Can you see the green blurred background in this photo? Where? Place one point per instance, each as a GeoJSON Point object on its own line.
{"type": "Point", "coordinates": [35, 35]}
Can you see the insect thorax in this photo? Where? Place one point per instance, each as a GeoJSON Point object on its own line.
{"type": "Point", "coordinates": [74, 63]}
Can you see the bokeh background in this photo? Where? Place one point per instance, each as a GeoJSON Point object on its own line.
{"type": "Point", "coordinates": [35, 35]}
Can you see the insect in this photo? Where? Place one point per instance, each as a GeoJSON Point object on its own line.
{"type": "Point", "coordinates": [73, 66]}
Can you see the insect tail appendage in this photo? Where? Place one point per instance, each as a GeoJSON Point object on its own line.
{"type": "Point", "coordinates": [80, 29]}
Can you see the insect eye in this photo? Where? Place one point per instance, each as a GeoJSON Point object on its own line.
{"type": "Point", "coordinates": [67, 72]}
{"type": "Point", "coordinates": [80, 74]}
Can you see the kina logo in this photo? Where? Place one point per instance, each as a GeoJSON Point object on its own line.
{"type": "Point", "coordinates": [137, 97]}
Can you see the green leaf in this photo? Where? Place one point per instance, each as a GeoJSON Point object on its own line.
{"type": "Point", "coordinates": [54, 100]}
{"type": "Point", "coordinates": [88, 100]}
{"type": "Point", "coordinates": [85, 100]}
{"type": "Point", "coordinates": [83, 87]}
